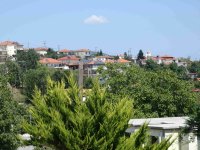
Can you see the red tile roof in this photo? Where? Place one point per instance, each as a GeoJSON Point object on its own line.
{"type": "Point", "coordinates": [41, 49]}
{"type": "Point", "coordinates": [49, 61]}
{"type": "Point", "coordinates": [109, 61]}
{"type": "Point", "coordinates": [72, 57]}
{"type": "Point", "coordinates": [123, 61]}
{"type": "Point", "coordinates": [167, 56]}
{"type": "Point", "coordinates": [64, 51]}
{"type": "Point", "coordinates": [6, 43]}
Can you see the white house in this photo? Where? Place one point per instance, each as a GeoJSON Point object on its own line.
{"type": "Point", "coordinates": [41, 50]}
{"type": "Point", "coordinates": [82, 53]}
{"type": "Point", "coordinates": [9, 48]}
{"type": "Point", "coordinates": [161, 128]}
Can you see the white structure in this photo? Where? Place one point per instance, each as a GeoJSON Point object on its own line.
{"type": "Point", "coordinates": [82, 53]}
{"type": "Point", "coordinates": [161, 128]}
{"type": "Point", "coordinates": [41, 50]}
{"type": "Point", "coordinates": [148, 55]}
{"type": "Point", "coordinates": [9, 48]}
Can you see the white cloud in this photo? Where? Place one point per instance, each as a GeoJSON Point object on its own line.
{"type": "Point", "coordinates": [93, 19]}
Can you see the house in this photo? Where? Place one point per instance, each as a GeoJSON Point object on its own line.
{"type": "Point", "coordinates": [192, 75]}
{"type": "Point", "coordinates": [8, 49]}
{"type": "Point", "coordinates": [103, 58]}
{"type": "Point", "coordinates": [82, 53]}
{"type": "Point", "coordinates": [123, 61]}
{"type": "Point", "coordinates": [71, 59]}
{"type": "Point", "coordinates": [166, 59]}
{"type": "Point", "coordinates": [90, 67]}
{"type": "Point", "coordinates": [50, 62]}
{"type": "Point", "coordinates": [64, 52]}
{"type": "Point", "coordinates": [41, 50]}
{"type": "Point", "coordinates": [162, 128]}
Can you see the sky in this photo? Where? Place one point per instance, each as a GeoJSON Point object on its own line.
{"type": "Point", "coordinates": [163, 27]}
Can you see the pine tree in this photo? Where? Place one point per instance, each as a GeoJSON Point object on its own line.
{"type": "Point", "coordinates": [63, 121]}
{"type": "Point", "coordinates": [140, 55]}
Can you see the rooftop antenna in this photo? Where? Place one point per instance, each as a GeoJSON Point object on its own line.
{"type": "Point", "coordinates": [44, 44]}
{"type": "Point", "coordinates": [28, 45]}
{"type": "Point", "coordinates": [58, 46]}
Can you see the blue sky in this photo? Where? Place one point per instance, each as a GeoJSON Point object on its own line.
{"type": "Point", "coordinates": [162, 26]}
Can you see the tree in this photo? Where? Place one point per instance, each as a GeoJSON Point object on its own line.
{"type": "Point", "coordinates": [27, 60]}
{"type": "Point", "coordinates": [61, 120]}
{"type": "Point", "coordinates": [87, 83]}
{"type": "Point", "coordinates": [51, 54]}
{"type": "Point", "coordinates": [140, 55]}
{"type": "Point", "coordinates": [10, 117]}
{"type": "Point", "coordinates": [151, 65]}
{"type": "Point", "coordinates": [99, 53]}
{"type": "Point", "coordinates": [193, 123]}
{"type": "Point", "coordinates": [33, 78]}
{"type": "Point", "coordinates": [154, 93]}
{"type": "Point", "coordinates": [14, 73]}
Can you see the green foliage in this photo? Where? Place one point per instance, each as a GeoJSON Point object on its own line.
{"type": "Point", "coordinates": [87, 82]}
{"type": "Point", "coordinates": [51, 54]}
{"type": "Point", "coordinates": [152, 65]}
{"type": "Point", "coordinates": [99, 53]}
{"type": "Point", "coordinates": [140, 140]}
{"type": "Point", "coordinates": [33, 78]}
{"type": "Point", "coordinates": [194, 67]}
{"type": "Point", "coordinates": [126, 56]}
{"type": "Point", "coordinates": [140, 55]}
{"type": "Point", "coordinates": [179, 70]}
{"type": "Point", "coordinates": [10, 116]}
{"type": "Point", "coordinates": [27, 60]}
{"type": "Point", "coordinates": [154, 93]}
{"type": "Point", "coordinates": [14, 73]}
{"type": "Point", "coordinates": [62, 121]}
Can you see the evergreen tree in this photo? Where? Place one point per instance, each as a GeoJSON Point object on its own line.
{"type": "Point", "coordinates": [140, 55]}
{"type": "Point", "coordinates": [100, 53]}
{"type": "Point", "coordinates": [62, 121]}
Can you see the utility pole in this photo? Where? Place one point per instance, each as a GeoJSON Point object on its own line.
{"type": "Point", "coordinates": [44, 44]}
{"type": "Point", "coordinates": [80, 75]}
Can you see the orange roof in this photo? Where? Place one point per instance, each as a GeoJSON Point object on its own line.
{"type": "Point", "coordinates": [64, 51]}
{"type": "Point", "coordinates": [109, 61]}
{"type": "Point", "coordinates": [41, 49]}
{"type": "Point", "coordinates": [49, 61]}
{"type": "Point", "coordinates": [123, 61]}
{"type": "Point", "coordinates": [167, 56]}
{"type": "Point", "coordinates": [6, 43]}
{"type": "Point", "coordinates": [72, 57]}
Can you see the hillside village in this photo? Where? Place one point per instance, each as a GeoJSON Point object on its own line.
{"type": "Point", "coordinates": [172, 82]}
{"type": "Point", "coordinates": [70, 59]}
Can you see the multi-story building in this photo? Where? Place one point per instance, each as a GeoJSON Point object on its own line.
{"type": "Point", "coordinates": [8, 49]}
